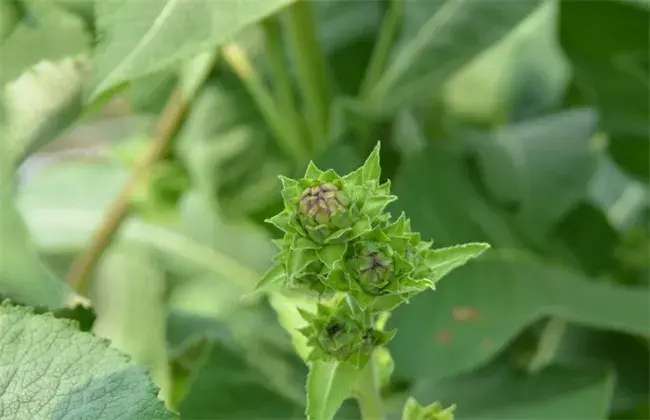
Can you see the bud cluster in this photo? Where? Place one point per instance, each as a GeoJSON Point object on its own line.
{"type": "Point", "coordinates": [339, 241]}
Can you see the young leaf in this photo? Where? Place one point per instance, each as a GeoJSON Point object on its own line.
{"type": "Point", "coordinates": [328, 385]}
{"type": "Point", "coordinates": [443, 260]}
{"type": "Point", "coordinates": [371, 169]}
{"type": "Point", "coordinates": [49, 367]}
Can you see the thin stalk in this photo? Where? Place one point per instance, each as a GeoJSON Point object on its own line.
{"type": "Point", "coordinates": [287, 137]}
{"type": "Point", "coordinates": [368, 396]}
{"type": "Point", "coordinates": [381, 51]}
{"type": "Point", "coordinates": [311, 70]}
{"type": "Point", "coordinates": [283, 85]}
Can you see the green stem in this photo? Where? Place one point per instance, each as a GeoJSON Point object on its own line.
{"type": "Point", "coordinates": [311, 65]}
{"type": "Point", "coordinates": [282, 129]}
{"type": "Point", "coordinates": [368, 395]}
{"type": "Point", "coordinates": [380, 53]}
{"type": "Point", "coordinates": [282, 81]}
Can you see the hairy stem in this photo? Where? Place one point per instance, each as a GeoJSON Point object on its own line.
{"type": "Point", "coordinates": [283, 129]}
{"type": "Point", "coordinates": [368, 395]}
{"type": "Point", "coordinates": [79, 275]}
{"type": "Point", "coordinates": [311, 65]}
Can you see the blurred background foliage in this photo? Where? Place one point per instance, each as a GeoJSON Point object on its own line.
{"type": "Point", "coordinates": [519, 123]}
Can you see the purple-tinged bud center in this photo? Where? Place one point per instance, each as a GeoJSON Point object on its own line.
{"type": "Point", "coordinates": [321, 202]}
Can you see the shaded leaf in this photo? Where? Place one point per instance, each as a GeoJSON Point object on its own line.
{"type": "Point", "coordinates": [481, 306]}
{"type": "Point", "coordinates": [611, 67]}
{"type": "Point", "coordinates": [439, 38]}
{"type": "Point", "coordinates": [529, 162]}
{"type": "Point", "coordinates": [49, 367]}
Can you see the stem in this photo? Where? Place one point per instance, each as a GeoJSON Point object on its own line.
{"type": "Point", "coordinates": [78, 277]}
{"type": "Point", "coordinates": [367, 394]}
{"type": "Point", "coordinates": [311, 71]}
{"type": "Point", "coordinates": [382, 49]}
{"type": "Point", "coordinates": [283, 128]}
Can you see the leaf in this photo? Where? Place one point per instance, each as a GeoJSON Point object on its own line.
{"type": "Point", "coordinates": [42, 103]}
{"type": "Point", "coordinates": [128, 298]}
{"type": "Point", "coordinates": [444, 260]}
{"type": "Point", "coordinates": [140, 38]}
{"type": "Point", "coordinates": [245, 369]}
{"type": "Point", "coordinates": [23, 276]}
{"type": "Point", "coordinates": [552, 156]}
{"type": "Point", "coordinates": [49, 367]}
{"type": "Point", "coordinates": [328, 385]}
{"type": "Point", "coordinates": [481, 306]}
{"type": "Point", "coordinates": [230, 153]}
{"type": "Point", "coordinates": [497, 392]}
{"type": "Point", "coordinates": [611, 68]}
{"type": "Point", "coordinates": [45, 34]}
{"type": "Point", "coordinates": [10, 16]}
{"type": "Point", "coordinates": [439, 38]}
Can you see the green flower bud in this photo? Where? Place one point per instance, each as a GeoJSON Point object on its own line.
{"type": "Point", "coordinates": [323, 209]}
{"type": "Point", "coordinates": [342, 333]}
{"type": "Point", "coordinates": [374, 267]}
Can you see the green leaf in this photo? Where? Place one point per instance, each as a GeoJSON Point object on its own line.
{"type": "Point", "coordinates": [439, 38]}
{"type": "Point", "coordinates": [42, 103]}
{"type": "Point", "coordinates": [23, 276]}
{"type": "Point", "coordinates": [332, 254]}
{"type": "Point", "coordinates": [611, 68]}
{"type": "Point", "coordinates": [526, 163]}
{"type": "Point", "coordinates": [11, 12]}
{"type": "Point", "coordinates": [128, 296]}
{"type": "Point", "coordinates": [274, 276]}
{"type": "Point", "coordinates": [245, 366]}
{"type": "Point", "coordinates": [443, 260]}
{"type": "Point", "coordinates": [371, 169]}
{"type": "Point", "coordinates": [47, 33]}
{"type": "Point", "coordinates": [482, 305]}
{"type": "Point", "coordinates": [498, 392]}
{"type": "Point", "coordinates": [328, 385]}
{"type": "Point", "coordinates": [228, 149]}
{"type": "Point", "coordinates": [144, 37]}
{"type": "Point", "coordinates": [50, 368]}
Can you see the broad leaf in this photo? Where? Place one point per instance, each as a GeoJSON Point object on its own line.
{"type": "Point", "coordinates": [49, 369]}
{"type": "Point", "coordinates": [328, 385]}
{"type": "Point", "coordinates": [439, 38]}
{"type": "Point", "coordinates": [481, 306]}
{"type": "Point", "coordinates": [144, 37]}
{"type": "Point", "coordinates": [497, 392]}
{"type": "Point", "coordinates": [611, 67]}
{"type": "Point", "coordinates": [526, 163]}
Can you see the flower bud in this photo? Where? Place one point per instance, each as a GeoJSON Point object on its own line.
{"type": "Point", "coordinates": [323, 210]}
{"type": "Point", "coordinates": [374, 268]}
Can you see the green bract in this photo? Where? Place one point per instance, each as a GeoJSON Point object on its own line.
{"type": "Point", "coordinates": [340, 244]}
{"type": "Point", "coordinates": [414, 411]}
{"type": "Point", "coordinates": [343, 332]}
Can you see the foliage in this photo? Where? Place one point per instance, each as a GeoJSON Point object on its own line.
{"type": "Point", "coordinates": [510, 123]}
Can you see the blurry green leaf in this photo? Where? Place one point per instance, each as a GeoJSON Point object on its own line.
{"type": "Point", "coordinates": [11, 11]}
{"type": "Point", "coordinates": [612, 66]}
{"type": "Point", "coordinates": [328, 385]}
{"type": "Point", "coordinates": [49, 367]}
{"type": "Point", "coordinates": [481, 306]}
{"type": "Point", "coordinates": [128, 297]}
{"type": "Point", "coordinates": [619, 196]}
{"type": "Point", "coordinates": [139, 38]}
{"type": "Point", "coordinates": [439, 38]}
{"type": "Point", "coordinates": [245, 358]}
{"type": "Point", "coordinates": [41, 104]}
{"type": "Point", "coordinates": [47, 34]}
{"type": "Point", "coordinates": [286, 307]}
{"type": "Point", "coordinates": [526, 163]}
{"type": "Point", "coordinates": [231, 155]}
{"type": "Point", "coordinates": [23, 276]}
{"type": "Point", "coordinates": [496, 392]}
{"type": "Point", "coordinates": [436, 192]}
